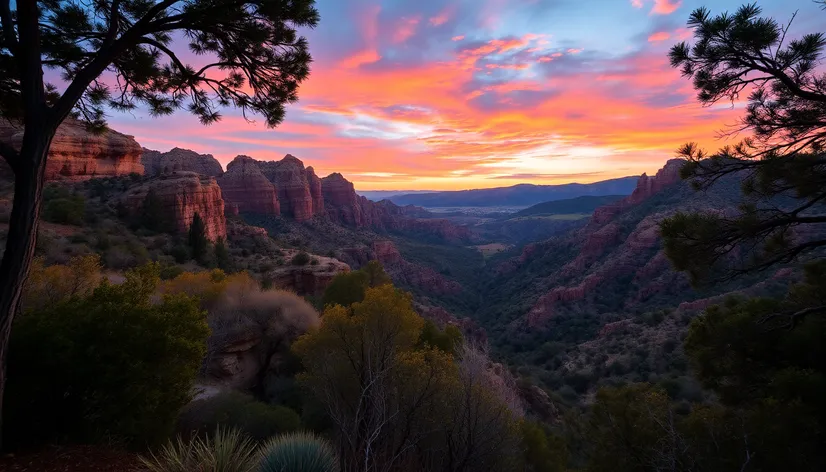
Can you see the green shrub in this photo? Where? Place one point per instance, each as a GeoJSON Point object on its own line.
{"type": "Point", "coordinates": [298, 452]}
{"type": "Point", "coordinates": [300, 259]}
{"type": "Point", "coordinates": [226, 451]}
{"type": "Point", "coordinates": [111, 364]}
{"type": "Point", "coordinates": [70, 210]}
{"type": "Point", "coordinates": [232, 409]}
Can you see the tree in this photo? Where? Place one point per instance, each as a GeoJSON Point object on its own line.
{"type": "Point", "coordinates": [349, 288]}
{"type": "Point", "coordinates": [782, 162]}
{"type": "Point", "coordinates": [197, 238]}
{"type": "Point", "coordinates": [251, 57]}
{"type": "Point", "coordinates": [107, 370]}
{"type": "Point", "coordinates": [377, 388]}
{"type": "Point", "coordinates": [222, 259]}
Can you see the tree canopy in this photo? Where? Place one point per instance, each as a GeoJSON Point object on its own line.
{"type": "Point", "coordinates": [781, 161]}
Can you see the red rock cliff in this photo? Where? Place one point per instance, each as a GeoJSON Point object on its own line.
{"type": "Point", "coordinates": [343, 205]}
{"type": "Point", "coordinates": [646, 187]}
{"type": "Point", "coordinates": [76, 154]}
{"type": "Point", "coordinates": [244, 186]}
{"type": "Point", "coordinates": [291, 181]}
{"type": "Point", "coordinates": [182, 194]}
{"type": "Point", "coordinates": [178, 159]}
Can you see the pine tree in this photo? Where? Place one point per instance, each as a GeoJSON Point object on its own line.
{"type": "Point", "coordinates": [197, 239]}
{"type": "Point", "coordinates": [783, 156]}
{"type": "Point", "coordinates": [221, 254]}
{"type": "Point", "coordinates": [254, 59]}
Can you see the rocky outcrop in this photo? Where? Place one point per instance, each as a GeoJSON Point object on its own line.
{"type": "Point", "coordinates": [343, 205]}
{"type": "Point", "coordinates": [311, 279]}
{"type": "Point", "coordinates": [76, 154]}
{"type": "Point", "coordinates": [246, 188]}
{"type": "Point", "coordinates": [646, 187]}
{"type": "Point", "coordinates": [316, 191]}
{"type": "Point", "coordinates": [544, 307]}
{"type": "Point", "coordinates": [407, 273]}
{"type": "Point", "coordinates": [178, 159]}
{"type": "Point", "coordinates": [291, 181]}
{"type": "Point", "coordinates": [180, 196]}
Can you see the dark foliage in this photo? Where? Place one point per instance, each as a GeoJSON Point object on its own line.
{"type": "Point", "coordinates": [783, 156]}
{"type": "Point", "coordinates": [99, 367]}
{"type": "Point", "coordinates": [198, 242]}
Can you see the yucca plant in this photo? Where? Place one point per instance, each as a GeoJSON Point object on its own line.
{"type": "Point", "coordinates": [226, 451]}
{"type": "Point", "coordinates": [297, 452]}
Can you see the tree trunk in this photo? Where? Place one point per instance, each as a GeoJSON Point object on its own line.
{"type": "Point", "coordinates": [20, 244]}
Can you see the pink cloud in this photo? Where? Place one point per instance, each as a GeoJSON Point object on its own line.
{"type": "Point", "coordinates": [405, 29]}
{"type": "Point", "coordinates": [665, 7]}
{"type": "Point", "coordinates": [458, 38]}
{"type": "Point", "coordinates": [659, 36]}
{"type": "Point", "coordinates": [440, 19]}
{"type": "Point", "coordinates": [636, 3]}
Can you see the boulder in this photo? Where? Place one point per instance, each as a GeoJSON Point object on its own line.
{"type": "Point", "coordinates": [311, 279]}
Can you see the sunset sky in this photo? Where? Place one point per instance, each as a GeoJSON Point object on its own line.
{"type": "Point", "coordinates": [455, 94]}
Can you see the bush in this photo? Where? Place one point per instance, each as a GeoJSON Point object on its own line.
{"type": "Point", "coordinates": [300, 259]}
{"type": "Point", "coordinates": [225, 451]}
{"type": "Point", "coordinates": [69, 211]}
{"type": "Point", "coordinates": [113, 364]}
{"type": "Point", "coordinates": [236, 410]}
{"type": "Point", "coordinates": [62, 206]}
{"type": "Point", "coordinates": [298, 452]}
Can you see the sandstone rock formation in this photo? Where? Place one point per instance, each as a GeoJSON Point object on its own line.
{"type": "Point", "coordinates": [646, 187]}
{"type": "Point", "coordinates": [77, 154]}
{"type": "Point", "coordinates": [246, 188]}
{"type": "Point", "coordinates": [311, 279]}
{"type": "Point", "coordinates": [181, 195]}
{"type": "Point", "coordinates": [292, 182]}
{"type": "Point", "coordinates": [178, 159]}
{"type": "Point", "coordinates": [343, 205]}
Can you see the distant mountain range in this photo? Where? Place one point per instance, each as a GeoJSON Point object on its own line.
{"type": "Point", "coordinates": [522, 195]}
{"type": "Point", "coordinates": [579, 205]}
{"type": "Point", "coordinates": [379, 195]}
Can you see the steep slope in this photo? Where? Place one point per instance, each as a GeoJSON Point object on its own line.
{"type": "Point", "coordinates": [518, 195]}
{"type": "Point", "coordinates": [603, 302]}
{"type": "Point", "coordinates": [613, 264]}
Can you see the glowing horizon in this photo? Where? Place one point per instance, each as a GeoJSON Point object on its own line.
{"type": "Point", "coordinates": [460, 94]}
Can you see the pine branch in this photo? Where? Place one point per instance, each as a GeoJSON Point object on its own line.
{"type": "Point", "coordinates": [9, 39]}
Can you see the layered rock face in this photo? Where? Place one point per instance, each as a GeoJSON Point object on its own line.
{"type": "Point", "coordinates": [247, 190]}
{"type": "Point", "coordinates": [616, 263]}
{"type": "Point", "coordinates": [292, 181]}
{"type": "Point", "coordinates": [76, 154]}
{"type": "Point", "coordinates": [178, 159]}
{"type": "Point", "coordinates": [646, 187]}
{"type": "Point", "coordinates": [310, 279]}
{"type": "Point", "coordinates": [297, 191]}
{"type": "Point", "coordinates": [408, 273]}
{"type": "Point", "coordinates": [343, 205]}
{"type": "Point", "coordinates": [181, 195]}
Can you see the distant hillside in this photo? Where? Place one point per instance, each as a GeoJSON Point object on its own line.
{"type": "Point", "coordinates": [378, 195]}
{"type": "Point", "coordinates": [519, 195]}
{"type": "Point", "coordinates": [579, 205]}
